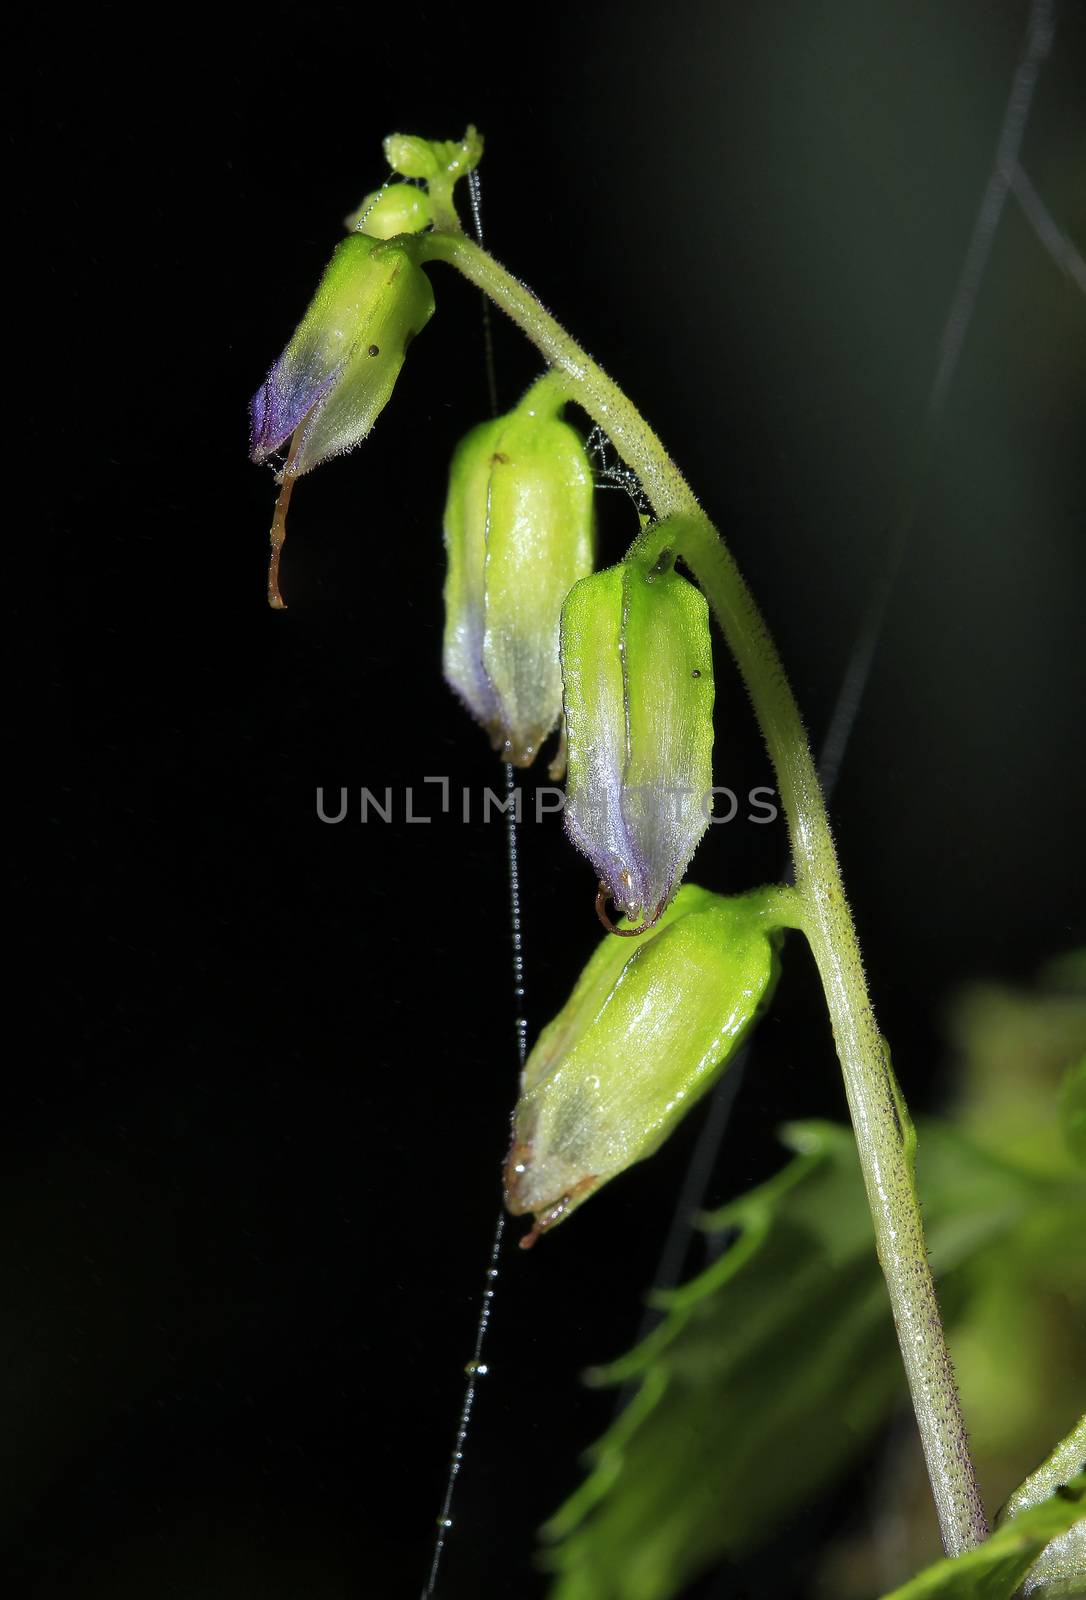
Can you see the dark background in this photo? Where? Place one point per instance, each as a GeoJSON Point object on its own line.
{"type": "Point", "coordinates": [251, 1148]}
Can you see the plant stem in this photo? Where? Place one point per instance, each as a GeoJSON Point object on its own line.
{"type": "Point", "coordinates": [547, 395]}
{"type": "Point", "coordinates": [442, 207]}
{"type": "Point", "coordinates": [884, 1135]}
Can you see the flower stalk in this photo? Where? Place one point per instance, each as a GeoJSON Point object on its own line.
{"type": "Point", "coordinates": [884, 1136]}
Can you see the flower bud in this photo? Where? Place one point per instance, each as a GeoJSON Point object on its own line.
{"type": "Point", "coordinates": [519, 534]}
{"type": "Point", "coordinates": [414, 157]}
{"type": "Point", "coordinates": [337, 373]}
{"type": "Point", "coordinates": [397, 208]}
{"type": "Point", "coordinates": [637, 672]}
{"type": "Point", "coordinates": [646, 1031]}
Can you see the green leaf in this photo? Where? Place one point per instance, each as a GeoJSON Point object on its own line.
{"type": "Point", "coordinates": [771, 1371]}
{"type": "Point", "coordinates": [996, 1568]}
{"type": "Point", "coordinates": [1061, 1570]}
{"type": "Point", "coordinates": [1066, 1461]}
{"type": "Point", "coordinates": [774, 1368]}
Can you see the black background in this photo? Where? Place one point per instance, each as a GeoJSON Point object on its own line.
{"type": "Point", "coordinates": [251, 1154]}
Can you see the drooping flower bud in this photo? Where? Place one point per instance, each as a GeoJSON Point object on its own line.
{"type": "Point", "coordinates": [338, 371]}
{"type": "Point", "coordinates": [637, 673]}
{"type": "Point", "coordinates": [646, 1031]}
{"type": "Point", "coordinates": [397, 208]}
{"type": "Point", "coordinates": [519, 535]}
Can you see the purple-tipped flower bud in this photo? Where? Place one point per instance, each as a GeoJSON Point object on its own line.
{"type": "Point", "coordinates": [338, 371]}
{"type": "Point", "coordinates": [637, 672]}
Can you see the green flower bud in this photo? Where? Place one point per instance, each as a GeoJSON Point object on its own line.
{"type": "Point", "coordinates": [398, 208]}
{"type": "Point", "coordinates": [637, 670]}
{"type": "Point", "coordinates": [519, 534]}
{"type": "Point", "coordinates": [414, 157]}
{"type": "Point", "coordinates": [646, 1031]}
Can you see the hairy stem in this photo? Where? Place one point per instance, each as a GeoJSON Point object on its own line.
{"type": "Point", "coordinates": [884, 1135]}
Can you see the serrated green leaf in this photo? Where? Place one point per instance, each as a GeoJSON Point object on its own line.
{"type": "Point", "coordinates": [995, 1569]}
{"type": "Point", "coordinates": [702, 1459]}
{"type": "Point", "coordinates": [772, 1369]}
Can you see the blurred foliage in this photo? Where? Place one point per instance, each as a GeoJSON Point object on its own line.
{"type": "Point", "coordinates": [775, 1368]}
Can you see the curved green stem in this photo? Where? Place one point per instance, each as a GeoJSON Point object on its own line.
{"type": "Point", "coordinates": [442, 206]}
{"type": "Point", "coordinates": [589, 384]}
{"type": "Point", "coordinates": [779, 906]}
{"type": "Point", "coordinates": [884, 1136]}
{"type": "Point", "coordinates": [547, 395]}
